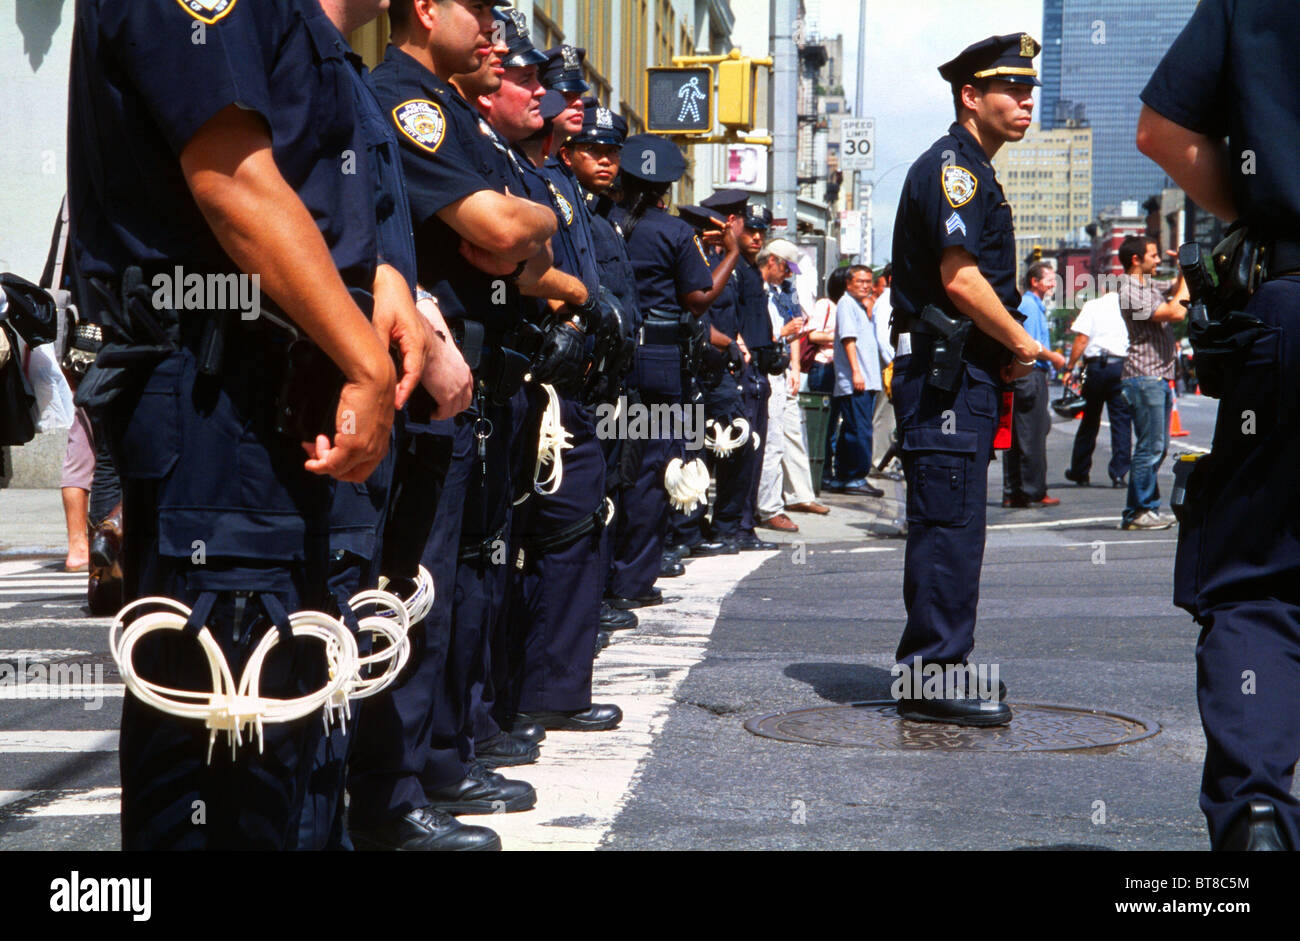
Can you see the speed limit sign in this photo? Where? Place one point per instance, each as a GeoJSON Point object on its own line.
{"type": "Point", "coordinates": [858, 144]}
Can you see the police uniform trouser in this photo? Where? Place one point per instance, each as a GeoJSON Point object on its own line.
{"type": "Point", "coordinates": [559, 602]}
{"type": "Point", "coordinates": [945, 462]}
{"type": "Point", "coordinates": [737, 476]}
{"type": "Point", "coordinates": [1102, 387]}
{"type": "Point", "coordinates": [403, 741]}
{"type": "Point", "coordinates": [1024, 464]}
{"type": "Point", "coordinates": [356, 533]}
{"type": "Point", "coordinates": [218, 514]}
{"type": "Point", "coordinates": [638, 541]}
{"type": "Point", "coordinates": [483, 645]}
{"type": "Point", "coordinates": [1238, 550]}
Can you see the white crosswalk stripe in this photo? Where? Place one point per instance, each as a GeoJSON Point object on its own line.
{"type": "Point", "coordinates": [35, 580]}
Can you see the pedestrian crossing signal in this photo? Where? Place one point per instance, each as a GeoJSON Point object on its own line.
{"type": "Point", "coordinates": [679, 101]}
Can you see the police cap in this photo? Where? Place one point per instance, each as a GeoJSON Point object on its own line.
{"type": "Point", "coordinates": [514, 31]}
{"type": "Point", "coordinates": [600, 125]}
{"type": "Point", "coordinates": [700, 216]}
{"type": "Point", "coordinates": [758, 218]}
{"type": "Point", "coordinates": [653, 159]}
{"type": "Point", "coordinates": [727, 202]}
{"type": "Point", "coordinates": [1010, 58]}
{"type": "Point", "coordinates": [563, 69]}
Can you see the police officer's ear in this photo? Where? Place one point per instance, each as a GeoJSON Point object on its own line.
{"type": "Point", "coordinates": [566, 155]}
{"type": "Point", "coordinates": [967, 96]}
{"type": "Point", "coordinates": [424, 13]}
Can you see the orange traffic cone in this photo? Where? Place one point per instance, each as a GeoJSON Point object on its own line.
{"type": "Point", "coordinates": [1176, 429]}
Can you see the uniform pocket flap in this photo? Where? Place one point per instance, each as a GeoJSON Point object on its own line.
{"type": "Point", "coordinates": [935, 439]}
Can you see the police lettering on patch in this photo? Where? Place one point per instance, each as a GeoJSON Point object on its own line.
{"type": "Point", "coordinates": [423, 122]}
{"type": "Point", "coordinates": [959, 186]}
{"type": "Point", "coordinates": [209, 11]}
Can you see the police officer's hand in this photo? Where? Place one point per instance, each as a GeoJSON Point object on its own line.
{"type": "Point", "coordinates": [398, 324]}
{"type": "Point", "coordinates": [364, 417]}
{"type": "Point", "coordinates": [447, 376]}
{"type": "Point", "coordinates": [732, 232]}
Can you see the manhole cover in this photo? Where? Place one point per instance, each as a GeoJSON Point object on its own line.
{"type": "Point", "coordinates": [1033, 727]}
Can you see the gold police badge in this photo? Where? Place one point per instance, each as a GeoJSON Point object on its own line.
{"type": "Point", "coordinates": [208, 11]}
{"type": "Point", "coordinates": [423, 122]}
{"type": "Point", "coordinates": [959, 186]}
{"type": "Point", "coordinates": [1026, 45]}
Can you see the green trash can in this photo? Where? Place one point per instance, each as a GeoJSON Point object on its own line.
{"type": "Point", "coordinates": [816, 415]}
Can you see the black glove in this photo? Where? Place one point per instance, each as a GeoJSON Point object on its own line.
{"type": "Point", "coordinates": [562, 360]}
{"type": "Point", "coordinates": [735, 358]}
{"type": "Point", "coordinates": [614, 353]}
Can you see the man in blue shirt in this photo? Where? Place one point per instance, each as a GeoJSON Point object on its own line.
{"type": "Point", "coordinates": [857, 380]}
{"type": "Point", "coordinates": [1024, 464]}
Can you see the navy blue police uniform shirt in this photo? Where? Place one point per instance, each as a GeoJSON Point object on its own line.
{"type": "Point", "coordinates": [723, 313]}
{"type": "Point", "coordinates": [752, 320]}
{"type": "Point", "coordinates": [445, 158]}
{"type": "Point", "coordinates": [1217, 79]}
{"type": "Point", "coordinates": [668, 259]}
{"type": "Point", "coordinates": [952, 197]}
{"type": "Point", "coordinates": [135, 113]}
{"type": "Point", "coordinates": [540, 188]}
{"type": "Point", "coordinates": [570, 193]}
{"type": "Point", "coordinates": [612, 260]}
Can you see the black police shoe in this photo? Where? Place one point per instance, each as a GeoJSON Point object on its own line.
{"type": "Point", "coordinates": [677, 552]}
{"type": "Point", "coordinates": [424, 830]}
{"type": "Point", "coordinates": [596, 718]}
{"type": "Point", "coordinates": [601, 642]}
{"type": "Point", "coordinates": [1256, 829]}
{"type": "Point", "coordinates": [645, 601]}
{"type": "Point", "coordinates": [670, 567]}
{"type": "Point", "coordinates": [975, 712]}
{"type": "Point", "coordinates": [702, 550]}
{"type": "Point", "coordinates": [505, 751]}
{"type": "Point", "coordinates": [484, 792]}
{"type": "Point", "coordinates": [749, 542]}
{"type": "Point", "coordinates": [1080, 479]}
{"type": "Point", "coordinates": [612, 619]}
{"type": "Point", "coordinates": [530, 732]}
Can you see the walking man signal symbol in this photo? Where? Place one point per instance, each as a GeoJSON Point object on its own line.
{"type": "Point", "coordinates": [690, 94]}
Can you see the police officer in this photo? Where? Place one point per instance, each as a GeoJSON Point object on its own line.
{"type": "Point", "coordinates": [720, 394]}
{"type": "Point", "coordinates": [593, 156]}
{"type": "Point", "coordinates": [555, 613]}
{"type": "Point", "coordinates": [673, 278]}
{"type": "Point", "coordinates": [474, 244]}
{"type": "Point", "coordinates": [754, 338]}
{"type": "Point", "coordinates": [1231, 73]}
{"type": "Point", "coordinates": [220, 511]}
{"type": "Point", "coordinates": [954, 257]}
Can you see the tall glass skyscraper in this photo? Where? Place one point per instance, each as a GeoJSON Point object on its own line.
{"type": "Point", "coordinates": [1097, 56]}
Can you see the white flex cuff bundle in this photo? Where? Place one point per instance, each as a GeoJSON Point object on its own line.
{"type": "Point", "coordinates": [687, 484]}
{"type": "Point", "coordinates": [723, 440]}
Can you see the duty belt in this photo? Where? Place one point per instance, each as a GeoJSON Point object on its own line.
{"type": "Point", "coordinates": [659, 334]}
{"type": "Point", "coordinates": [1103, 359]}
{"type": "Point", "coordinates": [482, 550]}
{"type": "Point", "coordinates": [981, 350]}
{"type": "Point", "coordinates": [549, 542]}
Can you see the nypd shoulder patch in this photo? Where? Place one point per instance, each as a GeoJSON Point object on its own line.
{"type": "Point", "coordinates": [566, 210]}
{"type": "Point", "coordinates": [423, 122]}
{"type": "Point", "coordinates": [700, 247]}
{"type": "Point", "coordinates": [207, 11]}
{"type": "Point", "coordinates": [959, 186]}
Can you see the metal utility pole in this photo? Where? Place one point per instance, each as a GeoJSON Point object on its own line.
{"type": "Point", "coordinates": [784, 121]}
{"type": "Point", "coordinates": [860, 104]}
